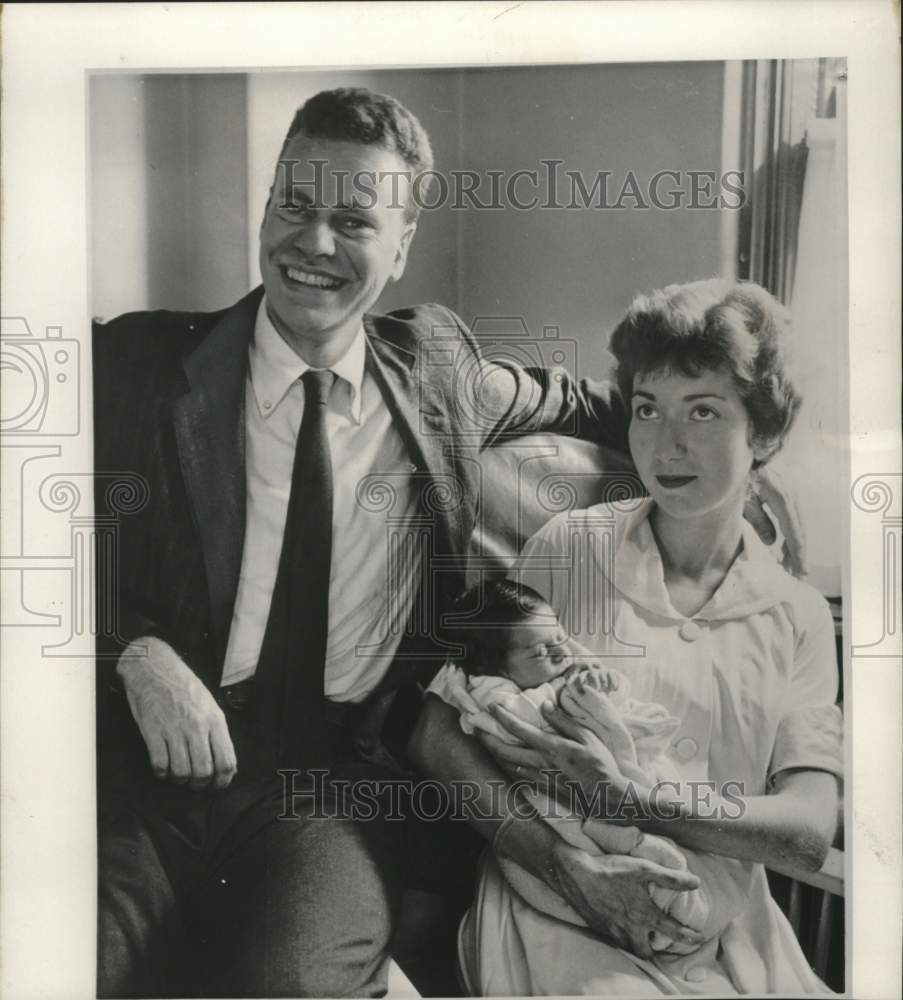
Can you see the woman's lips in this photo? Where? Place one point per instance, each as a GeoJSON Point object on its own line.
{"type": "Point", "coordinates": [673, 482]}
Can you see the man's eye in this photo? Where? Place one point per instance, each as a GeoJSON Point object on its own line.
{"type": "Point", "coordinates": [354, 225]}
{"type": "Point", "coordinates": [293, 208]}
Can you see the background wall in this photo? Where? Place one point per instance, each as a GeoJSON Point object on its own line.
{"type": "Point", "coordinates": [181, 166]}
{"type": "Point", "coordinates": [579, 269]}
{"type": "Point", "coordinates": [168, 199]}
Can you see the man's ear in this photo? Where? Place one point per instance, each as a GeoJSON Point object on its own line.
{"type": "Point", "coordinates": [401, 254]}
{"type": "Point", "coordinates": [266, 207]}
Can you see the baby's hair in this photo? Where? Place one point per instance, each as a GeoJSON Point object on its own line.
{"type": "Point", "coordinates": [490, 609]}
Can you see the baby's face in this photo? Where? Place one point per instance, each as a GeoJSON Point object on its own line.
{"type": "Point", "coordinates": [537, 651]}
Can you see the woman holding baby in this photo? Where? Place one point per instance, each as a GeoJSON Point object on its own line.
{"type": "Point", "coordinates": [705, 625]}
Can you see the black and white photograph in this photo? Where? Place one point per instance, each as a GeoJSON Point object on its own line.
{"type": "Point", "coordinates": [453, 507]}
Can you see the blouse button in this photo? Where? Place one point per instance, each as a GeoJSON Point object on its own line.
{"type": "Point", "coordinates": [690, 631]}
{"type": "Point", "coordinates": [685, 748]}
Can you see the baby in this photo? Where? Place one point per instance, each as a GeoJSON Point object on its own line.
{"type": "Point", "coordinates": [516, 654]}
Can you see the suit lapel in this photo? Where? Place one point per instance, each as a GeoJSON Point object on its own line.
{"type": "Point", "coordinates": [421, 414]}
{"type": "Point", "coordinates": [209, 429]}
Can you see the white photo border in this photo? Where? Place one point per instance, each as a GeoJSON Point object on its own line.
{"type": "Point", "coordinates": [47, 909]}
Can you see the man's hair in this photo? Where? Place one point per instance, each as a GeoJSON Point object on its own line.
{"type": "Point", "coordinates": [354, 114]}
{"type": "Point", "coordinates": [711, 325]}
{"type": "Point", "coordinates": [491, 608]}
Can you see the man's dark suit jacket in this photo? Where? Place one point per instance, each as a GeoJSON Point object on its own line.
{"type": "Point", "coordinates": [169, 406]}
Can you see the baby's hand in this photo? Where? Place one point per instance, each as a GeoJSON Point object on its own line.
{"type": "Point", "coordinates": [603, 679]}
{"type": "Point", "coordinates": [607, 680]}
{"type": "Point", "coordinates": [580, 675]}
{"type": "Point", "coordinates": [587, 698]}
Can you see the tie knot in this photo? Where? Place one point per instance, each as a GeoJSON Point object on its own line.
{"type": "Point", "coordinates": [317, 384]}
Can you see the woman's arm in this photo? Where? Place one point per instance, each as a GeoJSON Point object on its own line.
{"type": "Point", "coordinates": [611, 893]}
{"type": "Point", "coordinates": [795, 825]}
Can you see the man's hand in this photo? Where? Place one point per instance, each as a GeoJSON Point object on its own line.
{"type": "Point", "coordinates": [611, 893]}
{"type": "Point", "coordinates": [184, 729]}
{"type": "Point", "coordinates": [773, 492]}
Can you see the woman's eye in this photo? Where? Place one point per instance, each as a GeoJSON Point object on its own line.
{"type": "Point", "coordinates": [645, 411]}
{"type": "Point", "coordinates": [704, 413]}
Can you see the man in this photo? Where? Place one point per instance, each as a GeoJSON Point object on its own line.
{"type": "Point", "coordinates": [254, 625]}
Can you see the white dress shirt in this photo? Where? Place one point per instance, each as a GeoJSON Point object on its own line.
{"type": "Point", "coordinates": [367, 610]}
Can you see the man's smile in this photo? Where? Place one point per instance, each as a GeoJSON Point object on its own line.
{"type": "Point", "coordinates": [310, 278]}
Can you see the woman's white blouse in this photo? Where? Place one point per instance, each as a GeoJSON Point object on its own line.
{"type": "Point", "coordinates": [753, 675]}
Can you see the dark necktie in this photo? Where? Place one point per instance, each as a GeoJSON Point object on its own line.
{"type": "Point", "coordinates": [288, 695]}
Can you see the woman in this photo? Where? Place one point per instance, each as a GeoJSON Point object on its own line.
{"type": "Point", "coordinates": [720, 634]}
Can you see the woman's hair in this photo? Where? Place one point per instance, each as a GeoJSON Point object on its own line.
{"type": "Point", "coordinates": [491, 608]}
{"type": "Point", "coordinates": [714, 325]}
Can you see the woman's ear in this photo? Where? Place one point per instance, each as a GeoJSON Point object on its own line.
{"type": "Point", "coordinates": [763, 449]}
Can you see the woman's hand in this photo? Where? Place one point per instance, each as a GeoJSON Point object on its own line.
{"type": "Point", "coordinates": [611, 893]}
{"type": "Point", "coordinates": [572, 750]}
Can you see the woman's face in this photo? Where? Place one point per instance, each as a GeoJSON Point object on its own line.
{"type": "Point", "coordinates": [690, 439]}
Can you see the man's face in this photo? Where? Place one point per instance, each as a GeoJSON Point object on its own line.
{"type": "Point", "coordinates": [331, 241]}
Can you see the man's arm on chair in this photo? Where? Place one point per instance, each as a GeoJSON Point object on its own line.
{"type": "Point", "coordinates": [610, 892]}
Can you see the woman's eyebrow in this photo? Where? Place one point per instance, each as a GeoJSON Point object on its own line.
{"type": "Point", "coordinates": [645, 395]}
{"type": "Point", "coordinates": [702, 395]}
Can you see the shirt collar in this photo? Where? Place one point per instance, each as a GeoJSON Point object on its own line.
{"type": "Point", "coordinates": [754, 582]}
{"type": "Point", "coordinates": [275, 367]}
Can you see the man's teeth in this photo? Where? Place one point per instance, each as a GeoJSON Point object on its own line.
{"type": "Point", "coordinates": [316, 280]}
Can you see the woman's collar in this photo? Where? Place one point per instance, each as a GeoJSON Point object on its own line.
{"type": "Point", "coordinates": [754, 582]}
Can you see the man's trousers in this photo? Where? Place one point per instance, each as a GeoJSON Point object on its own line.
{"type": "Point", "coordinates": [252, 890]}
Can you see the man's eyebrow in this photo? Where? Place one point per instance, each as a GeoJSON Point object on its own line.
{"type": "Point", "coordinates": [297, 193]}
{"type": "Point", "coordinates": [353, 206]}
